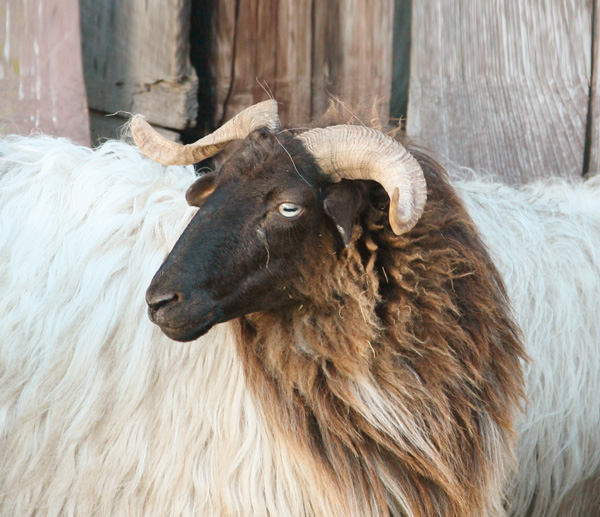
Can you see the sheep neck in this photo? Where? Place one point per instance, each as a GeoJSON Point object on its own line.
{"type": "Point", "coordinates": [400, 381]}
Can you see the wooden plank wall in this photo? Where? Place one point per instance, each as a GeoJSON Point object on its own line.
{"type": "Point", "coordinates": [352, 53]}
{"type": "Point", "coordinates": [136, 59]}
{"type": "Point", "coordinates": [41, 79]}
{"type": "Point", "coordinates": [261, 46]}
{"type": "Point", "coordinates": [503, 86]}
{"type": "Point", "coordinates": [301, 52]}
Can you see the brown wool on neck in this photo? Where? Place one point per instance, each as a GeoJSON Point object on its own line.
{"type": "Point", "coordinates": [398, 380]}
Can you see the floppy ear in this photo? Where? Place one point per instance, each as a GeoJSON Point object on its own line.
{"type": "Point", "coordinates": [342, 203]}
{"type": "Point", "coordinates": [200, 190]}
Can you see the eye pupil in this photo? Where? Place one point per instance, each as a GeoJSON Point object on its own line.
{"type": "Point", "coordinates": [289, 210]}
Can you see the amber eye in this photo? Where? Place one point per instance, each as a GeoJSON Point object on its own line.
{"type": "Point", "coordinates": [290, 210]}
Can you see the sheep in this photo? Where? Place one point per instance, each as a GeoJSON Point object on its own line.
{"type": "Point", "coordinates": [424, 298]}
{"type": "Point", "coordinates": [102, 414]}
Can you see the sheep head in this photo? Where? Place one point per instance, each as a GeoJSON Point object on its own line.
{"type": "Point", "coordinates": [381, 349]}
{"type": "Point", "coordinates": [273, 213]}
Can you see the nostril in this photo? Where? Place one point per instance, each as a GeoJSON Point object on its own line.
{"type": "Point", "coordinates": [156, 301]}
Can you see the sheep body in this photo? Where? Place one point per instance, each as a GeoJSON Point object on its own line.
{"type": "Point", "coordinates": [102, 416]}
{"type": "Point", "coordinates": [545, 240]}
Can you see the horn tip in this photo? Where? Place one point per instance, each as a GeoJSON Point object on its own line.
{"type": "Point", "coordinates": [137, 121]}
{"type": "Point", "coordinates": [402, 220]}
{"type": "Point", "coordinates": [139, 128]}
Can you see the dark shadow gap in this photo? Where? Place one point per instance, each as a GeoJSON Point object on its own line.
{"type": "Point", "coordinates": [589, 124]}
{"type": "Point", "coordinates": [401, 60]}
{"type": "Point", "coordinates": [202, 30]}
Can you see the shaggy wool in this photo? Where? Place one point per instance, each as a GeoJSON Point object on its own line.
{"type": "Point", "coordinates": [545, 239]}
{"type": "Point", "coordinates": [100, 414]}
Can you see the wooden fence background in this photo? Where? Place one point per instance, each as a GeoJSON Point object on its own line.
{"type": "Point", "coordinates": [505, 87]}
{"type": "Point", "coordinates": [41, 79]}
{"type": "Point", "coordinates": [511, 94]}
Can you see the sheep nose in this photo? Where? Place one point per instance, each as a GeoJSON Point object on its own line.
{"type": "Point", "coordinates": [157, 300]}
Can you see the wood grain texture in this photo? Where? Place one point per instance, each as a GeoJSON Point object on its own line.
{"type": "Point", "coordinates": [352, 53]}
{"type": "Point", "coordinates": [136, 59]}
{"type": "Point", "coordinates": [222, 54]}
{"type": "Point", "coordinates": [501, 86]}
{"type": "Point", "coordinates": [262, 48]}
{"type": "Point", "coordinates": [41, 77]}
{"type": "Point", "coordinates": [302, 52]}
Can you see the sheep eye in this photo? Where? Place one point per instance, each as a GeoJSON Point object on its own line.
{"type": "Point", "coordinates": [289, 210]}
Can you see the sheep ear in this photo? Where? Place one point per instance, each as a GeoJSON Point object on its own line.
{"type": "Point", "coordinates": [200, 190]}
{"type": "Point", "coordinates": [342, 202]}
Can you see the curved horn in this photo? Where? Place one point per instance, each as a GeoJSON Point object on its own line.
{"type": "Point", "coordinates": [358, 152]}
{"type": "Point", "coordinates": [153, 145]}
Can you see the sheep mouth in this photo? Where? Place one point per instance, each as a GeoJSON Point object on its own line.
{"type": "Point", "coordinates": [193, 330]}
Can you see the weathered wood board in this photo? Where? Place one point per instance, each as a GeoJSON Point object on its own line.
{"type": "Point", "coordinates": [502, 87]}
{"type": "Point", "coordinates": [301, 52]}
{"type": "Point", "coordinates": [262, 48]}
{"type": "Point", "coordinates": [352, 54]}
{"type": "Point", "coordinates": [41, 78]}
{"type": "Point", "coordinates": [136, 59]}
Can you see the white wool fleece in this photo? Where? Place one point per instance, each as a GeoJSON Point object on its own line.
{"type": "Point", "coordinates": [545, 240]}
{"type": "Point", "coordinates": [100, 413]}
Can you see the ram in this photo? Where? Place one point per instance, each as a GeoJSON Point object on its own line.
{"type": "Point", "coordinates": [356, 352]}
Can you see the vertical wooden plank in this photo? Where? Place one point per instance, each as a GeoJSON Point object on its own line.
{"type": "Point", "coordinates": [352, 53]}
{"type": "Point", "coordinates": [222, 55]}
{"type": "Point", "coordinates": [327, 54]}
{"type": "Point", "coordinates": [243, 75]}
{"type": "Point", "coordinates": [502, 86]}
{"type": "Point", "coordinates": [592, 158]}
{"type": "Point", "coordinates": [41, 78]}
{"type": "Point", "coordinates": [136, 58]}
{"type": "Point", "coordinates": [303, 51]}
{"type": "Point", "coordinates": [262, 48]}
{"type": "Point", "coordinates": [293, 61]}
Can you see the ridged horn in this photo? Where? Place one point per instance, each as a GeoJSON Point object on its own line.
{"type": "Point", "coordinates": [166, 152]}
{"type": "Point", "coordinates": [358, 152]}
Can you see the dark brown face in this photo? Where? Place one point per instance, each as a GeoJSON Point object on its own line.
{"type": "Point", "coordinates": [263, 219]}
